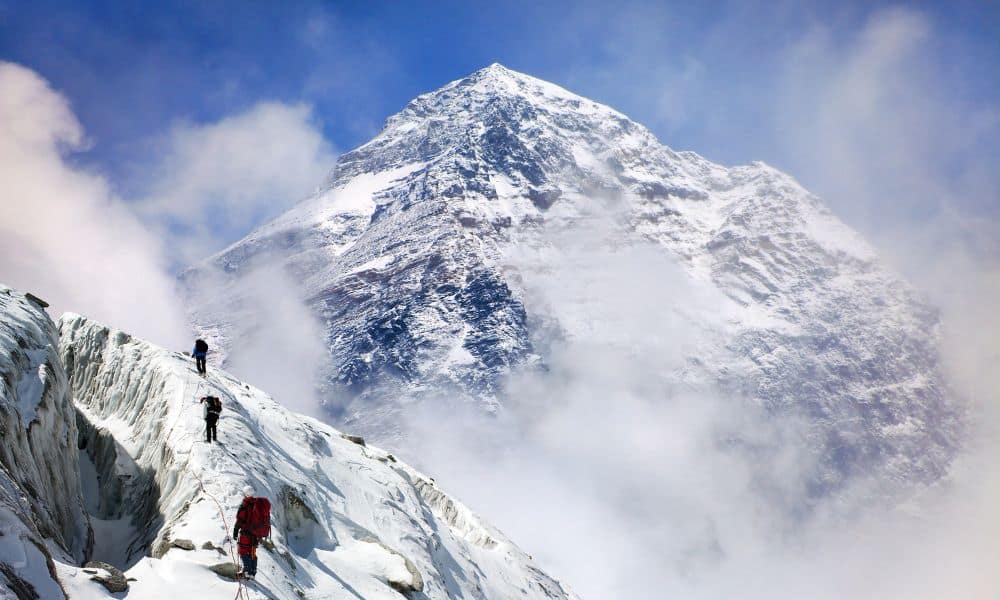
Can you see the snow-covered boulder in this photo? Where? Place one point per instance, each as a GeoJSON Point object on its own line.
{"type": "Point", "coordinates": [349, 520]}
{"type": "Point", "coordinates": [42, 516]}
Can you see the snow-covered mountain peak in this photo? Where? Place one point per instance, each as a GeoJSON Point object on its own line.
{"type": "Point", "coordinates": [524, 127]}
{"type": "Point", "coordinates": [406, 254]}
{"type": "Point", "coordinates": [496, 83]}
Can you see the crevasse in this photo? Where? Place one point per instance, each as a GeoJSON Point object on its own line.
{"type": "Point", "coordinates": [349, 520]}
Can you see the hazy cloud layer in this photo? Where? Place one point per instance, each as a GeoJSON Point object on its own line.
{"type": "Point", "coordinates": [282, 348]}
{"type": "Point", "coordinates": [64, 235]}
{"type": "Point", "coordinates": [212, 183]}
{"type": "Point", "coordinates": [628, 476]}
{"type": "Point", "coordinates": [881, 128]}
{"type": "Point", "coordinates": [889, 117]}
{"type": "Point", "coordinates": [617, 482]}
{"type": "Point", "coordinates": [612, 466]}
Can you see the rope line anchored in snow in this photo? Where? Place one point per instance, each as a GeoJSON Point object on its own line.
{"type": "Point", "coordinates": [242, 592]}
{"type": "Point", "coordinates": [240, 588]}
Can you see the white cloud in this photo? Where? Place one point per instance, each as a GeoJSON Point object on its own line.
{"type": "Point", "coordinates": [628, 476]}
{"type": "Point", "coordinates": [216, 181]}
{"type": "Point", "coordinates": [68, 238]}
{"type": "Point", "coordinates": [889, 139]}
{"type": "Point", "coordinates": [876, 126]}
{"type": "Point", "coordinates": [615, 482]}
{"type": "Point", "coordinates": [212, 185]}
{"type": "Point", "coordinates": [282, 349]}
{"type": "Point", "coordinates": [63, 233]}
{"type": "Point", "coordinates": [612, 466]}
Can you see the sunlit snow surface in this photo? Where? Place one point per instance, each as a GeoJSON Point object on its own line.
{"type": "Point", "coordinates": [348, 519]}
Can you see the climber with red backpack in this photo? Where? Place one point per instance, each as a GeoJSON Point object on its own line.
{"type": "Point", "coordinates": [253, 523]}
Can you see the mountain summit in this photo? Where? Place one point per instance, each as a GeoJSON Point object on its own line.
{"type": "Point", "coordinates": [408, 256]}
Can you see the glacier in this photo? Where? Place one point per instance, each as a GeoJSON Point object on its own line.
{"type": "Point", "coordinates": [418, 253]}
{"type": "Point", "coordinates": [42, 514]}
{"type": "Point", "coordinates": [117, 433]}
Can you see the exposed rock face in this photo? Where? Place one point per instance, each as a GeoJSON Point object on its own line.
{"type": "Point", "coordinates": [14, 583]}
{"type": "Point", "coordinates": [411, 582]}
{"type": "Point", "coordinates": [404, 255]}
{"type": "Point", "coordinates": [108, 575]}
{"type": "Point", "coordinates": [182, 544]}
{"type": "Point", "coordinates": [357, 439]}
{"type": "Point", "coordinates": [40, 495]}
{"type": "Point", "coordinates": [225, 569]}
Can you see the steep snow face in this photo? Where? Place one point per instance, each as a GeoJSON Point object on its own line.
{"type": "Point", "coordinates": [349, 520]}
{"type": "Point", "coordinates": [406, 257]}
{"type": "Point", "coordinates": [41, 510]}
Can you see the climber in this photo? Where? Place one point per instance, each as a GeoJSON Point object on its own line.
{"type": "Point", "coordinates": [213, 408]}
{"type": "Point", "coordinates": [253, 522]}
{"type": "Point", "coordinates": [199, 353]}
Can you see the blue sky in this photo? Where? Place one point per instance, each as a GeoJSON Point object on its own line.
{"type": "Point", "coordinates": [888, 111]}
{"type": "Point", "coordinates": [132, 69]}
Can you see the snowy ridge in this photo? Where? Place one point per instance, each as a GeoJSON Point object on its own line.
{"type": "Point", "coordinates": [349, 520]}
{"type": "Point", "coordinates": [42, 515]}
{"type": "Point", "coordinates": [420, 295]}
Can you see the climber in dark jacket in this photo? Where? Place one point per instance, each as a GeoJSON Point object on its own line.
{"type": "Point", "coordinates": [213, 408]}
{"type": "Point", "coordinates": [199, 353]}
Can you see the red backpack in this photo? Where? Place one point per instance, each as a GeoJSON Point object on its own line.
{"type": "Point", "coordinates": [259, 517]}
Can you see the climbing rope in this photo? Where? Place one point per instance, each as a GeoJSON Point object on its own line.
{"type": "Point", "coordinates": [242, 592]}
{"type": "Point", "coordinates": [240, 588]}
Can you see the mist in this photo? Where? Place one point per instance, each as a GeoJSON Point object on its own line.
{"type": "Point", "coordinates": [64, 234]}
{"type": "Point", "coordinates": [628, 476]}
{"type": "Point", "coordinates": [212, 183]}
{"type": "Point", "coordinates": [613, 465]}
{"type": "Point", "coordinates": [68, 237]}
{"type": "Point", "coordinates": [281, 347]}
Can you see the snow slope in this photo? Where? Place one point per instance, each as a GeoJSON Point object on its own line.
{"type": "Point", "coordinates": [409, 258]}
{"type": "Point", "coordinates": [350, 520]}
